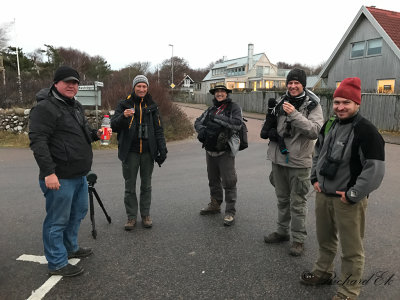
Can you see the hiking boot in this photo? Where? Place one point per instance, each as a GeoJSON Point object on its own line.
{"type": "Point", "coordinates": [130, 224]}
{"type": "Point", "coordinates": [67, 271]}
{"type": "Point", "coordinates": [296, 249]}
{"type": "Point", "coordinates": [212, 208]}
{"type": "Point", "coordinates": [309, 278]}
{"type": "Point", "coordinates": [80, 253]}
{"type": "Point", "coordinates": [340, 296]}
{"type": "Point", "coordinates": [276, 238]}
{"type": "Point", "coordinates": [146, 221]}
{"type": "Point", "coordinates": [229, 219]}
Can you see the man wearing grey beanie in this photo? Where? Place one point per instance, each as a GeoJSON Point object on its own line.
{"type": "Point", "coordinates": [141, 142]}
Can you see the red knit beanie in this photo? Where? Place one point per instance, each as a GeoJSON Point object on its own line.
{"type": "Point", "coordinates": [349, 88]}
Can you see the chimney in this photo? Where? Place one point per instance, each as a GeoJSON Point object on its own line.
{"type": "Point", "coordinates": [250, 56]}
{"type": "Point", "coordinates": [223, 58]}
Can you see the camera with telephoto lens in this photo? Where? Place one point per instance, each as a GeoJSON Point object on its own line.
{"type": "Point", "coordinates": [329, 167]}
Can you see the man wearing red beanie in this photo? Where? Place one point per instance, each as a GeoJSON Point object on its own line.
{"type": "Point", "coordinates": [349, 163]}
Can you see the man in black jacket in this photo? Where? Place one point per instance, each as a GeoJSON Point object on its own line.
{"type": "Point", "coordinates": [60, 139]}
{"type": "Point", "coordinates": [141, 141]}
{"type": "Point", "coordinates": [216, 129]}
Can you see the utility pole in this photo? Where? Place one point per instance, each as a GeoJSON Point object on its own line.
{"type": "Point", "coordinates": [172, 64]}
{"type": "Point", "coordinates": [19, 72]}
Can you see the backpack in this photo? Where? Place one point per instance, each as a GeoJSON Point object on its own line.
{"type": "Point", "coordinates": [329, 124]}
{"type": "Point", "coordinates": [244, 143]}
{"type": "Point", "coordinates": [242, 133]}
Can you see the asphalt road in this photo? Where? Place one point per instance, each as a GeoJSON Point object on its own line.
{"type": "Point", "coordinates": [185, 255]}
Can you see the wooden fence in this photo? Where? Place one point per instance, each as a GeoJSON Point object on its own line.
{"type": "Point", "coordinates": [382, 110]}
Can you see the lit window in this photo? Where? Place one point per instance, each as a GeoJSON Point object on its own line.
{"type": "Point", "coordinates": [386, 86]}
{"type": "Point", "coordinates": [255, 86]}
{"type": "Point", "coordinates": [230, 85]}
{"type": "Point", "coordinates": [337, 83]}
{"type": "Point", "coordinates": [240, 85]}
{"type": "Point", "coordinates": [269, 84]}
{"type": "Point", "coordinates": [357, 49]}
{"type": "Point", "coordinates": [374, 47]}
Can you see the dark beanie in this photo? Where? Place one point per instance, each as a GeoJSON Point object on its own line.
{"type": "Point", "coordinates": [66, 73]}
{"type": "Point", "coordinates": [350, 89]}
{"type": "Point", "coordinates": [297, 74]}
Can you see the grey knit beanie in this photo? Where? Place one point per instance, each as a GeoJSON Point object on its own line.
{"type": "Point", "coordinates": [139, 79]}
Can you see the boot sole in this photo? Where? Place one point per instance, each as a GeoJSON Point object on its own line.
{"type": "Point", "coordinates": [229, 223]}
{"type": "Point", "coordinates": [67, 275]}
{"type": "Point", "coordinates": [212, 212]}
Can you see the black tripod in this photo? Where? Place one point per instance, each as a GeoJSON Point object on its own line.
{"type": "Point", "coordinates": [92, 178]}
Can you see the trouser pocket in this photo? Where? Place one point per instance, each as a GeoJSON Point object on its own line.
{"type": "Point", "coordinates": [302, 185]}
{"type": "Point", "coordinates": [271, 178]}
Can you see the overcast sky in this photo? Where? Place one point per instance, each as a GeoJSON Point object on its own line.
{"type": "Point", "coordinates": [201, 32]}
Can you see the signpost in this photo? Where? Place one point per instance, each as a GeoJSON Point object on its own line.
{"type": "Point", "coordinates": [90, 95]}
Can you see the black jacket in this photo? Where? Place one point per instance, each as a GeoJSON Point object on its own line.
{"type": "Point", "coordinates": [221, 119]}
{"type": "Point", "coordinates": [146, 115]}
{"type": "Point", "coordinates": [60, 136]}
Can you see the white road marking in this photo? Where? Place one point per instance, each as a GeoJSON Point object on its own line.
{"type": "Point", "coordinates": [51, 282]}
{"type": "Point", "coordinates": [33, 258]}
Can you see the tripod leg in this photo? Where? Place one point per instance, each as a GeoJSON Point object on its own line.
{"type": "Point", "coordinates": [101, 205]}
{"type": "Point", "coordinates": [94, 233]}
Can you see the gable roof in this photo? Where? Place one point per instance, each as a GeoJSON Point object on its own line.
{"type": "Point", "coordinates": [186, 76]}
{"type": "Point", "coordinates": [390, 22]}
{"type": "Point", "coordinates": [385, 22]}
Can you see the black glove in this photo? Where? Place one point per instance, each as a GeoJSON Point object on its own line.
{"type": "Point", "coordinates": [161, 158]}
{"type": "Point", "coordinates": [201, 136]}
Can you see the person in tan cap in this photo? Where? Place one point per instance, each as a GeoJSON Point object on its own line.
{"type": "Point", "coordinates": [349, 163]}
{"type": "Point", "coordinates": [215, 127]}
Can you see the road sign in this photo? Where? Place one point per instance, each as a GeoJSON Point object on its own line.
{"type": "Point", "coordinates": [86, 87]}
{"type": "Point", "coordinates": [172, 85]}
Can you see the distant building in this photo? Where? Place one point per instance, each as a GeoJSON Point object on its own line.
{"type": "Point", "coordinates": [370, 49]}
{"type": "Point", "coordinates": [186, 84]}
{"type": "Point", "coordinates": [253, 71]}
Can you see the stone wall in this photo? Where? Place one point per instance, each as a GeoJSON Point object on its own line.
{"type": "Point", "coordinates": [16, 120]}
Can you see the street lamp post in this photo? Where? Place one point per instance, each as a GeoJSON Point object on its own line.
{"type": "Point", "coordinates": [172, 63]}
{"type": "Point", "coordinates": [18, 70]}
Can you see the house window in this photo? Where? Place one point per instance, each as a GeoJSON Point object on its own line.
{"type": "Point", "coordinates": [241, 85]}
{"type": "Point", "coordinates": [230, 85]}
{"type": "Point", "coordinates": [374, 47]}
{"type": "Point", "coordinates": [269, 84]}
{"type": "Point", "coordinates": [357, 49]}
{"type": "Point", "coordinates": [386, 86]}
{"type": "Point", "coordinates": [259, 71]}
